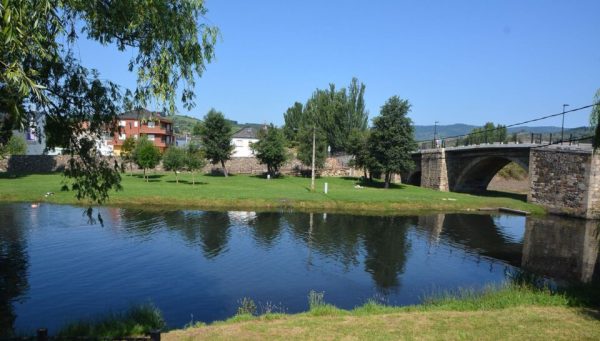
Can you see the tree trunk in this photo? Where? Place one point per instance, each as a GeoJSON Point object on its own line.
{"type": "Point", "coordinates": [224, 169]}
{"type": "Point", "coordinates": [145, 177]}
{"type": "Point", "coordinates": [365, 171]}
{"type": "Point", "coordinates": [176, 177]}
{"type": "Point", "coordinates": [193, 178]}
{"type": "Point", "coordinates": [387, 180]}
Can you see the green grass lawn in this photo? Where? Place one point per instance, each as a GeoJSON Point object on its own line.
{"type": "Point", "coordinates": [252, 192]}
{"type": "Point", "coordinates": [510, 313]}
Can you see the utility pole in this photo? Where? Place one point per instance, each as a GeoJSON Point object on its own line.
{"type": "Point", "coordinates": [312, 170]}
{"type": "Point", "coordinates": [562, 128]}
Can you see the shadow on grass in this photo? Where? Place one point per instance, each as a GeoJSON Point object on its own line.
{"type": "Point", "coordinates": [150, 176]}
{"type": "Point", "coordinates": [498, 194]}
{"type": "Point", "coordinates": [585, 296]}
{"type": "Point", "coordinates": [187, 182]}
{"type": "Point", "coordinates": [15, 176]}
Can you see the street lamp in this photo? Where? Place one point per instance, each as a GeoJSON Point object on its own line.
{"type": "Point", "coordinates": [435, 133]}
{"type": "Point", "coordinates": [562, 128]}
{"type": "Point", "coordinates": [312, 170]}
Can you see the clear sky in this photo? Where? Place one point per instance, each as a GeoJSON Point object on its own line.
{"type": "Point", "coordinates": [455, 61]}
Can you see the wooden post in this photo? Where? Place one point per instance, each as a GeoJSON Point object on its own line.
{"type": "Point", "coordinates": [42, 334]}
{"type": "Point", "coordinates": [154, 335]}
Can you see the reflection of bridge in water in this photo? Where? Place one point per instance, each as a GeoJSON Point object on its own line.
{"type": "Point", "coordinates": [564, 249]}
{"type": "Point", "coordinates": [564, 179]}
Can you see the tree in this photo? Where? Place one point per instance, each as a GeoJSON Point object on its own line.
{"type": "Point", "coordinates": [127, 152]}
{"type": "Point", "coordinates": [270, 149]}
{"type": "Point", "coordinates": [391, 141]}
{"type": "Point", "coordinates": [336, 112]}
{"type": "Point", "coordinates": [293, 118]}
{"type": "Point", "coordinates": [146, 155]}
{"type": "Point", "coordinates": [595, 121]}
{"type": "Point", "coordinates": [174, 160]}
{"type": "Point", "coordinates": [16, 145]}
{"type": "Point", "coordinates": [194, 159]}
{"type": "Point", "coordinates": [215, 134]}
{"type": "Point", "coordinates": [358, 147]}
{"type": "Point", "coordinates": [305, 145]}
{"type": "Point", "coordinates": [40, 74]}
{"type": "Point", "coordinates": [487, 134]}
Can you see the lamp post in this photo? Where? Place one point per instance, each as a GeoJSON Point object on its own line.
{"type": "Point", "coordinates": [312, 169]}
{"type": "Point", "coordinates": [562, 127]}
{"type": "Point", "coordinates": [435, 133]}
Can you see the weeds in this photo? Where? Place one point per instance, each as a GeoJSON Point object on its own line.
{"type": "Point", "coordinates": [247, 307]}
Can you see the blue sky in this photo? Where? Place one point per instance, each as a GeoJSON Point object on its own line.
{"type": "Point", "coordinates": [455, 61]}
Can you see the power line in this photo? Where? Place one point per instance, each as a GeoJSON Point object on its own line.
{"type": "Point", "coordinates": [518, 124]}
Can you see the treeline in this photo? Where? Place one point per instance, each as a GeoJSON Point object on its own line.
{"type": "Point", "coordinates": [337, 121]}
{"type": "Point", "coordinates": [331, 121]}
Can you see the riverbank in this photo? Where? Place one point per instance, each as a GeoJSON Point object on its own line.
{"type": "Point", "coordinates": [511, 312]}
{"type": "Point", "coordinates": [256, 193]}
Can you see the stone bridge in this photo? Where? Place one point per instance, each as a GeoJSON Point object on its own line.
{"type": "Point", "coordinates": [564, 179]}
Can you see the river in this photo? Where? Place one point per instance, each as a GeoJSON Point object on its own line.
{"type": "Point", "coordinates": [56, 266]}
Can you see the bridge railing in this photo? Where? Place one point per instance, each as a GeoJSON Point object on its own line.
{"type": "Point", "coordinates": [532, 138]}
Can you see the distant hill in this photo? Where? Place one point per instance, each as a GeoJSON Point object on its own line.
{"type": "Point", "coordinates": [425, 132]}
{"type": "Point", "coordinates": [183, 124]}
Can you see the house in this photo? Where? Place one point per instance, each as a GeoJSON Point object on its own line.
{"type": "Point", "coordinates": [137, 123]}
{"type": "Point", "coordinates": [242, 140]}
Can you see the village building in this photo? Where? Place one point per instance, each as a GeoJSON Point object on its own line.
{"type": "Point", "coordinates": [155, 126]}
{"type": "Point", "coordinates": [242, 140]}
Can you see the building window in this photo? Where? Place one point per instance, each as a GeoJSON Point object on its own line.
{"type": "Point", "coordinates": [135, 136]}
{"type": "Point", "coordinates": [151, 137]}
{"type": "Point", "coordinates": [122, 136]}
{"type": "Point", "coordinates": [122, 123]}
{"type": "Point", "coordinates": [151, 124]}
{"type": "Point", "coordinates": [135, 123]}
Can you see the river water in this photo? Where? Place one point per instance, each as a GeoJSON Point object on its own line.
{"type": "Point", "coordinates": [56, 266]}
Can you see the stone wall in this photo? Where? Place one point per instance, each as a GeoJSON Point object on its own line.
{"type": "Point", "coordinates": [18, 164]}
{"type": "Point", "coordinates": [565, 181]}
{"type": "Point", "coordinates": [434, 173]}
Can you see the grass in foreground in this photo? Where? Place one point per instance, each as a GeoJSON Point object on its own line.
{"type": "Point", "coordinates": [136, 321]}
{"type": "Point", "coordinates": [253, 192]}
{"type": "Point", "coordinates": [513, 312]}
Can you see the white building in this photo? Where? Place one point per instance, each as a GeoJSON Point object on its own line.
{"type": "Point", "coordinates": [242, 140]}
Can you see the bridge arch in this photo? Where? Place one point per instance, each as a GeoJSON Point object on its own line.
{"type": "Point", "coordinates": [414, 178]}
{"type": "Point", "coordinates": [479, 172]}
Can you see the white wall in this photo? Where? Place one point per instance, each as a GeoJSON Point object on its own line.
{"type": "Point", "coordinates": [242, 147]}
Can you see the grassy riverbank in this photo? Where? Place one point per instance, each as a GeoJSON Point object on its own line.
{"type": "Point", "coordinates": [252, 192]}
{"type": "Point", "coordinates": [511, 312]}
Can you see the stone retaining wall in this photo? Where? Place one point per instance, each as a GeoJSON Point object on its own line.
{"type": "Point", "coordinates": [18, 164]}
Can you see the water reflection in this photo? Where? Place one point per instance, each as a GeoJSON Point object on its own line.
{"type": "Point", "coordinates": [13, 268]}
{"type": "Point", "coordinates": [287, 254]}
{"type": "Point", "coordinates": [565, 249]}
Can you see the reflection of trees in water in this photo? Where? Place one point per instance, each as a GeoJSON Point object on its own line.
{"type": "Point", "coordinates": [334, 236]}
{"type": "Point", "coordinates": [386, 246]}
{"type": "Point", "coordinates": [266, 228]}
{"type": "Point", "coordinates": [209, 230]}
{"type": "Point", "coordinates": [214, 233]}
{"type": "Point", "coordinates": [13, 268]}
{"type": "Point", "coordinates": [339, 236]}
